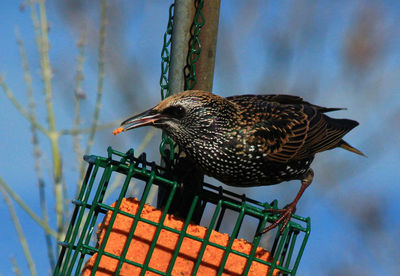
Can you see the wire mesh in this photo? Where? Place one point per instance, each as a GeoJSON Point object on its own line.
{"type": "Point", "coordinates": [139, 178]}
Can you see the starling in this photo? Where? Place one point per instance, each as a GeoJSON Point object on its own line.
{"type": "Point", "coordinates": [249, 140]}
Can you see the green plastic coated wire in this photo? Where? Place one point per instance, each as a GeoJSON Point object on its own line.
{"type": "Point", "coordinates": [90, 210]}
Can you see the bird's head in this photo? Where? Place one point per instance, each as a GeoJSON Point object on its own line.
{"type": "Point", "coordinates": [186, 115]}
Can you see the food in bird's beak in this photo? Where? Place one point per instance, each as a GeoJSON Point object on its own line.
{"type": "Point", "coordinates": [118, 130]}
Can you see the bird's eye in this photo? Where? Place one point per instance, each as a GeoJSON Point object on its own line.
{"type": "Point", "coordinates": [175, 111]}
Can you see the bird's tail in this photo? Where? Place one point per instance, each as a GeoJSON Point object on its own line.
{"type": "Point", "coordinates": [344, 145]}
{"type": "Point", "coordinates": [329, 109]}
{"type": "Point", "coordinates": [337, 128]}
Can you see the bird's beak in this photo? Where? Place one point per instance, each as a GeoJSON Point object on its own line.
{"type": "Point", "coordinates": [143, 119]}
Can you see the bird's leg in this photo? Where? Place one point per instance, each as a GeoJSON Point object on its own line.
{"type": "Point", "coordinates": [290, 209]}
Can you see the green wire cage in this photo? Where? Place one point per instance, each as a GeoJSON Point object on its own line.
{"type": "Point", "coordinates": [220, 210]}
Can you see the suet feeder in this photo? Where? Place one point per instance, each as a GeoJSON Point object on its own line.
{"type": "Point", "coordinates": [134, 238]}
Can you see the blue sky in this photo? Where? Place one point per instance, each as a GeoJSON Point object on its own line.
{"type": "Point", "coordinates": [245, 63]}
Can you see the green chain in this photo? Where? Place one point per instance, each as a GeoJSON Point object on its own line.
{"type": "Point", "coordinates": [166, 142]}
{"type": "Point", "coordinates": [190, 77]}
{"type": "Point", "coordinates": [195, 45]}
{"type": "Point", "coordinates": [165, 55]}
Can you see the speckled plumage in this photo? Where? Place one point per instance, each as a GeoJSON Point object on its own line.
{"type": "Point", "coordinates": [248, 140]}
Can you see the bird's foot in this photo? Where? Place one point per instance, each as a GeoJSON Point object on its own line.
{"type": "Point", "coordinates": [286, 215]}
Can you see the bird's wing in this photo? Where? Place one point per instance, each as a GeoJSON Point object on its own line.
{"type": "Point", "coordinates": [284, 127]}
{"type": "Point", "coordinates": [281, 99]}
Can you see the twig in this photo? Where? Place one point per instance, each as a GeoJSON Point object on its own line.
{"type": "Point", "coordinates": [100, 83]}
{"type": "Point", "coordinates": [26, 208]}
{"type": "Point", "coordinates": [146, 140]}
{"type": "Point", "coordinates": [114, 185]}
{"type": "Point", "coordinates": [77, 103]}
{"type": "Point", "coordinates": [36, 147]}
{"type": "Point", "coordinates": [118, 179]}
{"type": "Point", "coordinates": [77, 131]}
{"type": "Point", "coordinates": [20, 233]}
{"type": "Point", "coordinates": [16, 268]}
{"type": "Point", "coordinates": [53, 134]}
{"type": "Point", "coordinates": [20, 108]}
{"type": "Point", "coordinates": [36, 24]}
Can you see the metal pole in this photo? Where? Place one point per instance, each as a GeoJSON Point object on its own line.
{"type": "Point", "coordinates": [208, 40]}
{"type": "Point", "coordinates": [183, 19]}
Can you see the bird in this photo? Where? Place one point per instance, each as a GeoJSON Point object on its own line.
{"type": "Point", "coordinates": [249, 140]}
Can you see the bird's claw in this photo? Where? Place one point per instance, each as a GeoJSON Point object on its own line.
{"type": "Point", "coordinates": [286, 215]}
